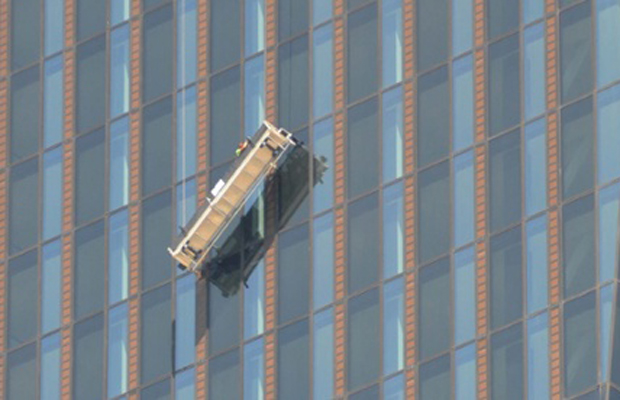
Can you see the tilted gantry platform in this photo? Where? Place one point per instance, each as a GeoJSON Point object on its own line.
{"type": "Point", "coordinates": [229, 195]}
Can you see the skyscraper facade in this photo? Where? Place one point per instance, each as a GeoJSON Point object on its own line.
{"type": "Point", "coordinates": [463, 242]}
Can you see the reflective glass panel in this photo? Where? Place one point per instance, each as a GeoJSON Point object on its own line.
{"type": "Point", "coordinates": [606, 314]}
{"type": "Point", "coordinates": [534, 70]}
{"type": "Point", "coordinates": [363, 346]}
{"type": "Point", "coordinates": [432, 34]}
{"type": "Point", "coordinates": [323, 143]}
{"type": "Point", "coordinates": [225, 114]}
{"type": "Point", "coordinates": [504, 80]}
{"type": "Point", "coordinates": [608, 126]}
{"type": "Point", "coordinates": [434, 211]}
{"type": "Point", "coordinates": [394, 388]}
{"type": "Point", "coordinates": [24, 128]}
{"type": "Point", "coordinates": [119, 163]}
{"type": "Point", "coordinates": [537, 270]}
{"type": "Point", "coordinates": [462, 102]}
{"type": "Point", "coordinates": [577, 148]}
{"type": "Point", "coordinates": [465, 374]}
{"type": "Point", "coordinates": [322, 80]}
{"type": "Point", "coordinates": [118, 350]}
{"type": "Point", "coordinates": [253, 370]}
{"type": "Point", "coordinates": [502, 17]}
{"type": "Point", "coordinates": [90, 176]}
{"type": "Point", "coordinates": [156, 334]}
{"type": "Point", "coordinates": [21, 373]}
{"type": "Point", "coordinates": [580, 366]}
{"type": "Point", "coordinates": [25, 32]}
{"type": "Point", "coordinates": [609, 204]}
{"type": "Point", "coordinates": [119, 71]}
{"type": "Point", "coordinates": [293, 273]}
{"type": "Point", "coordinates": [293, 361]}
{"type": "Point", "coordinates": [535, 166]}
{"type": "Point", "coordinates": [507, 364]}
{"type": "Point", "coordinates": [90, 99]}
{"type": "Point", "coordinates": [253, 303]}
{"type": "Point", "coordinates": [505, 180]}
{"type": "Point", "coordinates": [186, 203]}
{"type": "Point", "coordinates": [362, 53]}
{"type": "Point", "coordinates": [506, 278]}
{"type": "Point", "coordinates": [433, 122]}
{"type": "Point", "coordinates": [392, 46]}
{"type": "Point", "coordinates": [575, 51]}
{"type": "Point", "coordinates": [89, 269]}
{"type": "Point", "coordinates": [532, 10]}
{"type": "Point", "coordinates": [156, 233]}
{"type": "Point", "coordinates": [254, 26]}
{"type": "Point", "coordinates": [156, 146]}
{"type": "Point", "coordinates": [393, 326]}
{"type": "Point", "coordinates": [52, 192]}
{"type": "Point", "coordinates": [538, 357]}
{"type": "Point", "coordinates": [323, 260]}
{"type": "Point", "coordinates": [23, 201]}
{"type": "Point", "coordinates": [53, 103]}
{"type": "Point", "coordinates": [22, 305]}
{"type": "Point", "coordinates": [323, 357]}
{"type": "Point", "coordinates": [185, 322]}
{"type": "Point", "coordinates": [435, 306]}
{"type": "Point", "coordinates": [435, 379]}
{"type": "Point", "coordinates": [157, 57]}
{"type": "Point", "coordinates": [293, 83]}
{"type": "Point", "coordinates": [363, 243]}
{"type": "Point", "coordinates": [464, 295]}
{"type": "Point", "coordinates": [254, 94]}
{"type": "Point", "coordinates": [578, 246]}
{"type": "Point", "coordinates": [186, 42]}
{"type": "Point", "coordinates": [392, 123]}
{"type": "Point", "coordinates": [223, 320]}
{"type": "Point", "coordinates": [87, 352]}
{"type": "Point", "coordinates": [185, 386]}
{"type": "Point", "coordinates": [224, 376]}
{"type": "Point", "coordinates": [462, 26]}
{"type": "Point", "coordinates": [607, 43]}
{"type": "Point", "coordinates": [225, 33]}
{"type": "Point", "coordinates": [50, 368]}
{"type": "Point", "coordinates": [186, 133]}
{"type": "Point", "coordinates": [119, 11]}
{"type": "Point", "coordinates": [51, 287]}
{"type": "Point", "coordinates": [463, 198]}
{"type": "Point", "coordinates": [362, 147]}
{"type": "Point", "coordinates": [393, 230]}
{"type": "Point", "coordinates": [321, 11]}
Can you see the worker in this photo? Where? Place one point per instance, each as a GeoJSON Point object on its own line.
{"type": "Point", "coordinates": [242, 146]}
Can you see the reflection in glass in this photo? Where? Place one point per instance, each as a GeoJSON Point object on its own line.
{"type": "Point", "coordinates": [118, 350]}
{"type": "Point", "coordinates": [253, 373]}
{"type": "Point", "coordinates": [607, 43]}
{"type": "Point", "coordinates": [186, 42]}
{"type": "Point", "coordinates": [323, 144]}
{"type": "Point", "coordinates": [119, 163]}
{"type": "Point", "coordinates": [52, 193]}
{"type": "Point", "coordinates": [50, 368]}
{"type": "Point", "coordinates": [323, 260]}
{"type": "Point", "coordinates": [577, 148]}
{"type": "Point", "coordinates": [534, 70]}
{"type": "Point", "coordinates": [578, 246]}
{"type": "Point", "coordinates": [362, 148]}
{"type": "Point", "coordinates": [464, 295]}
{"type": "Point", "coordinates": [185, 324]}
{"type": "Point", "coordinates": [465, 374]}
{"type": "Point", "coordinates": [51, 287]}
{"type": "Point", "coordinates": [391, 25]}
{"type": "Point", "coordinates": [506, 276]}
{"type": "Point", "coordinates": [576, 51]}
{"type": "Point", "coordinates": [186, 133]}
{"type": "Point", "coordinates": [394, 388]}
{"type": "Point", "coordinates": [462, 26]}
{"type": "Point", "coordinates": [186, 202]}
{"type": "Point", "coordinates": [434, 211]}
{"type": "Point", "coordinates": [393, 230]}
{"type": "Point", "coordinates": [363, 243]}
{"type": "Point", "coordinates": [463, 104]}
{"type": "Point", "coordinates": [322, 11]}
{"type": "Point", "coordinates": [322, 80]}
{"type": "Point", "coordinates": [435, 379]}
{"type": "Point", "coordinates": [362, 53]}
{"type": "Point", "coordinates": [605, 303]}
{"type": "Point", "coordinates": [434, 309]}
{"type": "Point", "coordinates": [505, 180]}
{"type": "Point", "coordinates": [224, 376]}
{"type": "Point", "coordinates": [118, 257]}
{"type": "Point", "coordinates": [538, 357]}
{"type": "Point", "coordinates": [609, 204]}
{"type": "Point", "coordinates": [53, 104]}
{"type": "Point", "coordinates": [504, 80]}
{"type": "Point", "coordinates": [608, 126]}
{"type": "Point", "coordinates": [253, 303]}
{"type": "Point", "coordinates": [254, 26]}
{"type": "Point", "coordinates": [323, 357]}
{"type": "Point", "coordinates": [537, 270]}
{"type": "Point", "coordinates": [254, 94]}
{"type": "Point", "coordinates": [463, 198]}
{"type": "Point", "coordinates": [535, 167]}
{"type": "Point", "coordinates": [293, 361]}
{"type": "Point", "coordinates": [392, 115]}
{"type": "Point", "coordinates": [119, 11]}
{"type": "Point", "coordinates": [433, 122]}
{"type": "Point", "coordinates": [363, 346]}
{"type": "Point", "coordinates": [393, 326]}
{"type": "Point", "coordinates": [119, 71]}
{"type": "Point", "coordinates": [532, 10]}
{"type": "Point", "coordinates": [54, 26]}
{"type": "Point", "coordinates": [507, 364]}
{"type": "Point", "coordinates": [184, 385]}
{"type": "Point", "coordinates": [580, 366]}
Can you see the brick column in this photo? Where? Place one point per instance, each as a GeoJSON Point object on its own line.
{"type": "Point", "coordinates": [271, 114]}
{"type": "Point", "coordinates": [68, 207]}
{"type": "Point", "coordinates": [555, 372]}
{"type": "Point", "coordinates": [135, 119]}
{"type": "Point", "coordinates": [480, 193]}
{"type": "Point", "coordinates": [4, 220]}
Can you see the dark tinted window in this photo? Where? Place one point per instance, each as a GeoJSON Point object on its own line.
{"type": "Point", "coordinates": [25, 32]}
{"type": "Point", "coordinates": [90, 91]}
{"type": "Point", "coordinates": [23, 301]}
{"type": "Point", "coordinates": [89, 269]}
{"type": "Point", "coordinates": [362, 53]}
{"type": "Point", "coordinates": [578, 246]}
{"type": "Point", "coordinates": [146, 4]}
{"type": "Point", "coordinates": [363, 243]}
{"type": "Point", "coordinates": [504, 84]}
{"type": "Point", "coordinates": [293, 83]}
{"type": "Point", "coordinates": [434, 318]}
{"type": "Point", "coordinates": [90, 176]}
{"type": "Point", "coordinates": [575, 51]}
{"type": "Point", "coordinates": [507, 364]}
{"type": "Point", "coordinates": [91, 18]}
{"type": "Point", "coordinates": [577, 148]}
{"type": "Point", "coordinates": [223, 323]}
{"type": "Point", "coordinates": [21, 374]}
{"type": "Point", "coordinates": [157, 146]}
{"type": "Point", "coordinates": [293, 362]}
{"type": "Point", "coordinates": [293, 274]}
{"type": "Point", "coordinates": [506, 278]}
{"type": "Point", "coordinates": [435, 379]}
{"type": "Point", "coordinates": [434, 211]}
{"type": "Point", "coordinates": [225, 115]}
{"type": "Point", "coordinates": [353, 4]}
{"type": "Point", "coordinates": [372, 393]}
{"type": "Point", "coordinates": [157, 54]}
{"type": "Point", "coordinates": [88, 358]}
{"type": "Point", "coordinates": [23, 206]}
{"type": "Point", "coordinates": [432, 18]}
{"type": "Point", "coordinates": [505, 180]}
{"type": "Point", "coordinates": [362, 144]}
{"type": "Point", "coordinates": [292, 17]}
{"type": "Point", "coordinates": [433, 116]}
{"type": "Point", "coordinates": [157, 391]}
{"type": "Point", "coordinates": [24, 113]}
{"type": "Point", "coordinates": [156, 222]}
{"type": "Point", "coordinates": [579, 345]}
{"type": "Point", "coordinates": [156, 336]}
{"type": "Point", "coordinates": [502, 17]}
{"type": "Point", "coordinates": [363, 339]}
{"type": "Point", "coordinates": [224, 376]}
{"type": "Point", "coordinates": [225, 33]}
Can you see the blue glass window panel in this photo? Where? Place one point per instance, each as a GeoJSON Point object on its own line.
{"type": "Point", "coordinates": [54, 26]}
{"type": "Point", "coordinates": [609, 202]}
{"type": "Point", "coordinates": [393, 230]}
{"type": "Point", "coordinates": [537, 270]}
{"type": "Point", "coordinates": [463, 103]}
{"type": "Point", "coordinates": [534, 70]}
{"type": "Point", "coordinates": [323, 358]}
{"type": "Point", "coordinates": [253, 303]}
{"type": "Point", "coordinates": [254, 26]}
{"type": "Point", "coordinates": [53, 101]}
{"type": "Point", "coordinates": [321, 11]}
{"type": "Point", "coordinates": [323, 143]}
{"type": "Point", "coordinates": [607, 43]}
{"type": "Point", "coordinates": [51, 287]}
{"type": "Point", "coordinates": [52, 193]}
{"type": "Point", "coordinates": [254, 110]}
{"type": "Point", "coordinates": [392, 134]}
{"type": "Point", "coordinates": [186, 133]}
{"type": "Point", "coordinates": [118, 257]}
{"type": "Point", "coordinates": [253, 371]}
{"type": "Point", "coordinates": [186, 202]}
{"type": "Point", "coordinates": [322, 80]}
{"type": "Point", "coordinates": [323, 260]}
{"type": "Point", "coordinates": [186, 42]}
{"type": "Point", "coordinates": [119, 11]}
{"type": "Point", "coordinates": [606, 309]}
{"type": "Point", "coordinates": [536, 166]}
{"type": "Point", "coordinates": [184, 385]}
{"type": "Point", "coordinates": [50, 368]}
{"type": "Point", "coordinates": [465, 374]}
{"type": "Point", "coordinates": [118, 344]}
{"type": "Point", "coordinates": [464, 295]}
{"type": "Point", "coordinates": [462, 26]}
{"type": "Point", "coordinates": [119, 71]}
{"type": "Point", "coordinates": [464, 198]}
{"type": "Point", "coordinates": [392, 26]}
{"type": "Point", "coordinates": [394, 388]}
{"type": "Point", "coordinates": [532, 10]}
{"type": "Point", "coordinates": [119, 163]}
{"type": "Point", "coordinates": [608, 133]}
{"type": "Point", "coordinates": [393, 326]}
{"type": "Point", "coordinates": [185, 324]}
{"type": "Point", "coordinates": [538, 357]}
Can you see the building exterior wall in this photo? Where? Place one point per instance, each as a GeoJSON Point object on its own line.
{"type": "Point", "coordinates": [464, 241]}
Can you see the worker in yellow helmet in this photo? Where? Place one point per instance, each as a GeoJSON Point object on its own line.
{"type": "Point", "coordinates": [242, 146]}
